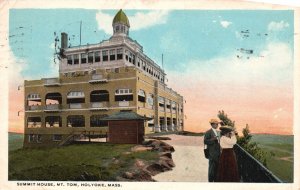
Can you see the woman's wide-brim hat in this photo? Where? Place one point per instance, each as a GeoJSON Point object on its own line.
{"type": "Point", "coordinates": [226, 128]}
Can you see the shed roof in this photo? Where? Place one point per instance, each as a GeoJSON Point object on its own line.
{"type": "Point", "coordinates": [125, 116]}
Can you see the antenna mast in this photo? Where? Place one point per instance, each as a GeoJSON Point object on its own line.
{"type": "Point", "coordinates": [162, 60]}
{"type": "Point", "coordinates": [80, 32]}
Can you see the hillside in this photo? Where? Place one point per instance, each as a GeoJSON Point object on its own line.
{"type": "Point", "coordinates": [280, 153]}
{"type": "Point", "coordinates": [15, 141]}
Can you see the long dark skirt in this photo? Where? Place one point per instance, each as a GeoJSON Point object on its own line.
{"type": "Point", "coordinates": [228, 169]}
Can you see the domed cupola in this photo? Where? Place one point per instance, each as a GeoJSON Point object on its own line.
{"type": "Point", "coordinates": [121, 24]}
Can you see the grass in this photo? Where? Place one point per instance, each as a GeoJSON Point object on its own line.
{"type": "Point", "coordinates": [101, 161]}
{"type": "Point", "coordinates": [278, 147]}
{"type": "Point", "coordinates": [15, 141]}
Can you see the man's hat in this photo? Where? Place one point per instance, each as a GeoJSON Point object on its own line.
{"type": "Point", "coordinates": [214, 121]}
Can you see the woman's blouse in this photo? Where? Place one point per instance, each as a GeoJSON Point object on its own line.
{"type": "Point", "coordinates": [226, 142]}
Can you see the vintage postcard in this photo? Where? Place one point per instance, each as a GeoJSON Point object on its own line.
{"type": "Point", "coordinates": [149, 94]}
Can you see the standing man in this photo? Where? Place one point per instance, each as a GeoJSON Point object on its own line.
{"type": "Point", "coordinates": [211, 139]}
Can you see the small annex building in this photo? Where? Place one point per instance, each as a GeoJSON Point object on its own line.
{"type": "Point", "coordinates": [126, 127]}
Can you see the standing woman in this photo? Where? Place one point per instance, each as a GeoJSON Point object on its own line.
{"type": "Point", "coordinates": [228, 169]}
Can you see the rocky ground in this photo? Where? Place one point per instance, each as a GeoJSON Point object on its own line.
{"type": "Point", "coordinates": [181, 159]}
{"type": "Point", "coordinates": [143, 171]}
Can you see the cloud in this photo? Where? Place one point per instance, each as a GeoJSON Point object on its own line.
{"type": "Point", "coordinates": [138, 21]}
{"type": "Point", "coordinates": [277, 26]}
{"type": "Point", "coordinates": [248, 90]}
{"type": "Point", "coordinates": [225, 23]}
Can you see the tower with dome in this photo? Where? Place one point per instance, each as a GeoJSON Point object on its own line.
{"type": "Point", "coordinates": [96, 81]}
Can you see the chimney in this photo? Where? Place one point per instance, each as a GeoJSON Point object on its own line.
{"type": "Point", "coordinates": [64, 40]}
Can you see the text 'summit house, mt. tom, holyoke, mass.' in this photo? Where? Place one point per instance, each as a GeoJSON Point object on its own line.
{"type": "Point", "coordinates": [96, 81]}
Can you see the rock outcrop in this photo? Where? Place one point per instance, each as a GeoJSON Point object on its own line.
{"type": "Point", "coordinates": [144, 171]}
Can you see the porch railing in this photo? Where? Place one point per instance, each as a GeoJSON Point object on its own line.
{"type": "Point", "coordinates": [251, 170]}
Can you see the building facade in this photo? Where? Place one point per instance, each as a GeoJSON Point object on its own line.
{"type": "Point", "coordinates": [95, 81]}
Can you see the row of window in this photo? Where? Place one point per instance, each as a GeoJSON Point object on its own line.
{"type": "Point", "coordinates": [101, 96]}
{"type": "Point", "coordinates": [72, 121]}
{"type": "Point", "coordinates": [112, 55]}
{"type": "Point", "coordinates": [38, 138]}
{"type": "Point", "coordinates": [95, 57]}
{"type": "Point", "coordinates": [79, 121]}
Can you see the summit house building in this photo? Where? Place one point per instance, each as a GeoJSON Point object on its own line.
{"type": "Point", "coordinates": [97, 80]}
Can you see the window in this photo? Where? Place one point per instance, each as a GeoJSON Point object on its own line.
{"type": "Point", "coordinates": [161, 103]}
{"type": "Point", "coordinates": [96, 121]}
{"type": "Point", "coordinates": [83, 58]}
{"type": "Point", "coordinates": [53, 121]}
{"type": "Point", "coordinates": [150, 100]}
{"type": "Point", "coordinates": [112, 55]}
{"type": "Point", "coordinates": [168, 105]}
{"type": "Point", "coordinates": [53, 98]}
{"type": "Point", "coordinates": [38, 138]}
{"type": "Point", "coordinates": [76, 59]}
{"type": "Point", "coordinates": [133, 59]}
{"type": "Point", "coordinates": [34, 122]}
{"type": "Point", "coordinates": [174, 106]}
{"type": "Point", "coordinates": [57, 137]}
{"type": "Point", "coordinates": [75, 97]}
{"type": "Point", "coordinates": [123, 95]}
{"type": "Point", "coordinates": [91, 57]}
{"type": "Point", "coordinates": [97, 56]}
{"type": "Point", "coordinates": [141, 96]}
{"type": "Point", "coordinates": [99, 96]}
{"type": "Point", "coordinates": [119, 54]}
{"type": "Point", "coordinates": [130, 57]}
{"type": "Point", "coordinates": [139, 62]}
{"type": "Point", "coordinates": [104, 55]}
{"type": "Point", "coordinates": [117, 70]}
{"type": "Point", "coordinates": [117, 28]}
{"type": "Point", "coordinates": [31, 138]}
{"type": "Point", "coordinates": [126, 55]}
{"type": "Point", "coordinates": [75, 121]}
{"type": "Point", "coordinates": [144, 65]}
{"type": "Point", "coordinates": [35, 138]}
{"type": "Point", "coordinates": [70, 59]}
{"type": "Point", "coordinates": [33, 97]}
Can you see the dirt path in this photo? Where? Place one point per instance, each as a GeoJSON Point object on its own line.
{"type": "Point", "coordinates": [191, 165]}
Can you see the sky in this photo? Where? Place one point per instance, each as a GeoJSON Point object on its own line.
{"type": "Point", "coordinates": [239, 61]}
